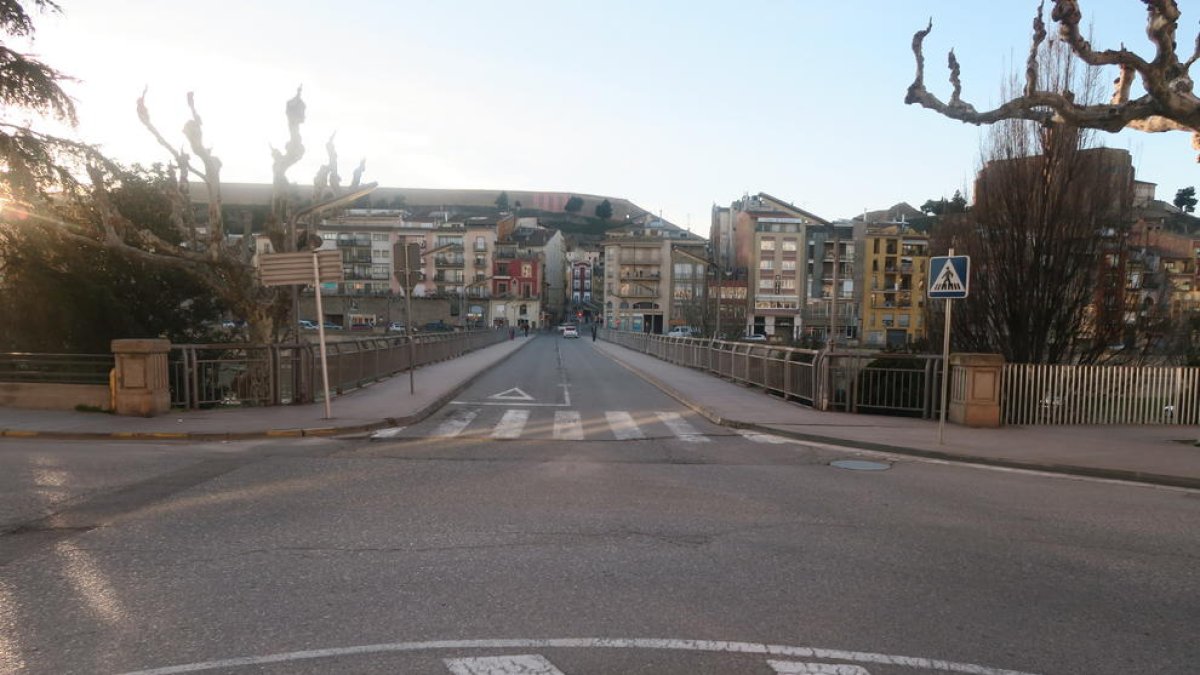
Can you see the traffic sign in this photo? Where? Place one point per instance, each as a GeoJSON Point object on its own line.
{"type": "Point", "coordinates": [406, 263]}
{"type": "Point", "coordinates": [289, 269]}
{"type": "Point", "coordinates": [949, 276]}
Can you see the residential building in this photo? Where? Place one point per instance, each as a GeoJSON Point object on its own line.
{"type": "Point", "coordinates": [654, 276]}
{"type": "Point", "coordinates": [895, 264]}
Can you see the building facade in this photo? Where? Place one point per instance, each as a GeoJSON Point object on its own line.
{"type": "Point", "coordinates": [896, 263]}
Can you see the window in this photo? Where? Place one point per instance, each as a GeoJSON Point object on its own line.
{"type": "Point", "coordinates": [767, 245]}
{"type": "Point", "coordinates": [379, 236]}
{"type": "Point", "coordinates": [526, 270]}
{"type": "Point", "coordinates": [766, 283]}
{"type": "Point", "coordinates": [501, 288]}
{"type": "Point", "coordinates": [766, 264]}
{"type": "Point", "coordinates": [789, 265]}
{"type": "Point", "coordinates": [789, 244]}
{"type": "Point", "coordinates": [383, 254]}
{"type": "Point", "coordinates": [787, 284]}
{"type": "Point", "coordinates": [480, 244]}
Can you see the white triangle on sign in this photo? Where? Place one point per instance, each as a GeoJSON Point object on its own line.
{"type": "Point", "coordinates": [513, 394]}
{"type": "Point", "coordinates": [947, 279]}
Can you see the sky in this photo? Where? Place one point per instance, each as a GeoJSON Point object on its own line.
{"type": "Point", "coordinates": [676, 105]}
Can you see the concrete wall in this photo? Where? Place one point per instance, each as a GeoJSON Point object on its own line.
{"type": "Point", "coordinates": [39, 396]}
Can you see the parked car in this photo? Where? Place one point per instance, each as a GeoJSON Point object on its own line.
{"type": "Point", "coordinates": [753, 337]}
{"type": "Point", "coordinates": [683, 331]}
{"type": "Point", "coordinates": [395, 327]}
{"type": "Point", "coordinates": [362, 327]}
{"type": "Point", "coordinates": [329, 325]}
{"type": "Point", "coordinates": [437, 326]}
{"type": "Point", "coordinates": [570, 332]}
{"type": "Point", "coordinates": [305, 324]}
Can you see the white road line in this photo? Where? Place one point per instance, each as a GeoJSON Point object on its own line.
{"type": "Point", "coordinates": [511, 425]}
{"type": "Point", "coordinates": [681, 428]}
{"type": "Point", "coordinates": [710, 646]}
{"type": "Point", "coordinates": [520, 664]}
{"type": "Point", "coordinates": [390, 432]}
{"type": "Point", "coordinates": [455, 424]}
{"type": "Point", "coordinates": [798, 668]}
{"type": "Point", "coordinates": [568, 426]}
{"type": "Point", "coordinates": [759, 437]}
{"type": "Point", "coordinates": [623, 426]}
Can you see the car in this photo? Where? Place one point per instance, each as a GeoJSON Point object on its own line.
{"type": "Point", "coordinates": [329, 325]}
{"type": "Point", "coordinates": [753, 337]}
{"type": "Point", "coordinates": [305, 324]}
{"type": "Point", "coordinates": [570, 332]}
{"type": "Point", "coordinates": [683, 331]}
{"type": "Point", "coordinates": [563, 326]}
{"type": "Point", "coordinates": [362, 327]}
{"type": "Point", "coordinates": [395, 327]}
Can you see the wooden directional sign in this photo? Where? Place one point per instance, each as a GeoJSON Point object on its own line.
{"type": "Point", "coordinates": [406, 261]}
{"type": "Point", "coordinates": [288, 269]}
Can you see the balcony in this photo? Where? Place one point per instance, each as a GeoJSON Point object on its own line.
{"type": "Point", "coordinates": [448, 261]}
{"type": "Point", "coordinates": [359, 242]}
{"type": "Point", "coordinates": [479, 261]}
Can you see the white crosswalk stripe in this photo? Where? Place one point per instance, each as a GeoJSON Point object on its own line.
{"type": "Point", "coordinates": [518, 664]}
{"type": "Point", "coordinates": [681, 428]}
{"type": "Point", "coordinates": [455, 424]}
{"type": "Point", "coordinates": [511, 425]}
{"type": "Point", "coordinates": [623, 426]}
{"type": "Point", "coordinates": [798, 668]}
{"type": "Point", "coordinates": [759, 437]}
{"type": "Point", "coordinates": [568, 425]}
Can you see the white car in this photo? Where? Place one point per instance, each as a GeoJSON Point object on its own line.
{"type": "Point", "coordinates": [754, 337]}
{"type": "Point", "coordinates": [683, 331]}
{"type": "Point", "coordinates": [570, 332]}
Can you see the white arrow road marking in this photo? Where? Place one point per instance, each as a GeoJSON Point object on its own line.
{"type": "Point", "coordinates": [511, 425]}
{"type": "Point", "coordinates": [623, 426]}
{"type": "Point", "coordinates": [759, 437]}
{"type": "Point", "coordinates": [680, 427]}
{"type": "Point", "coordinates": [390, 432]}
{"type": "Point", "coordinates": [513, 394]}
{"type": "Point", "coordinates": [568, 426]}
{"type": "Point", "coordinates": [521, 664]}
{"type": "Point", "coordinates": [454, 424]}
{"type": "Point", "coordinates": [797, 668]}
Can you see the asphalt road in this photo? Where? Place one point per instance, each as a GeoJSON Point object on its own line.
{"type": "Point", "coordinates": [562, 516]}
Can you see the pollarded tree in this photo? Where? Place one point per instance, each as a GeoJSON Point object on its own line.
{"type": "Point", "coordinates": [1167, 102]}
{"type": "Point", "coordinates": [1185, 199]}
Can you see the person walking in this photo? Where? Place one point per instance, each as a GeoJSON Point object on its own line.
{"type": "Point", "coordinates": [593, 332]}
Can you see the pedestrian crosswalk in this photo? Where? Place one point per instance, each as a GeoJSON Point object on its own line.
{"type": "Point", "coordinates": [563, 425]}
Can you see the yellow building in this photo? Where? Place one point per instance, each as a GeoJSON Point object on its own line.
{"type": "Point", "coordinates": [896, 262]}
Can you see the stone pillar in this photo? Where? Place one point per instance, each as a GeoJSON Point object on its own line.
{"type": "Point", "coordinates": [975, 389]}
{"type": "Point", "coordinates": [140, 385]}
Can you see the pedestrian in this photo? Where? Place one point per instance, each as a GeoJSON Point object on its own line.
{"type": "Point", "coordinates": [526, 330]}
{"type": "Point", "coordinates": [593, 332]}
{"type": "Point", "coordinates": [512, 333]}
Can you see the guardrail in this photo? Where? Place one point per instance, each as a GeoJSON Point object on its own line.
{"type": "Point", "coordinates": [55, 368]}
{"type": "Point", "coordinates": [866, 382]}
{"type": "Point", "coordinates": [215, 375]}
{"type": "Point", "coordinates": [1070, 394]}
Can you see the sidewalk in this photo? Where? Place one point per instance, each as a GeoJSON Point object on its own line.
{"type": "Point", "coordinates": [1147, 454]}
{"type": "Point", "coordinates": [386, 403]}
{"type": "Point", "coordinates": [1160, 455]}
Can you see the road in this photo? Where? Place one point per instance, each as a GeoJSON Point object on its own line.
{"type": "Point", "coordinates": [562, 516]}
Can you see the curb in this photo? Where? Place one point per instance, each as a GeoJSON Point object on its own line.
{"type": "Point", "coordinates": [303, 432]}
{"type": "Point", "coordinates": [1123, 475]}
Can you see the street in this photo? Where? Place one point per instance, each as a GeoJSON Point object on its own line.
{"type": "Point", "coordinates": [561, 515]}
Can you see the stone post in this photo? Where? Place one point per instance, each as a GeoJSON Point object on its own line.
{"type": "Point", "coordinates": [975, 389]}
{"type": "Point", "coordinates": [140, 386]}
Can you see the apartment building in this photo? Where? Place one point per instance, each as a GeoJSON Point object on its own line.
{"type": "Point", "coordinates": [895, 265]}
{"type": "Point", "coordinates": [654, 275]}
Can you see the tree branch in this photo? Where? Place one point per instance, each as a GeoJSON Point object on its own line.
{"type": "Point", "coordinates": [194, 131]}
{"type": "Point", "coordinates": [180, 157]}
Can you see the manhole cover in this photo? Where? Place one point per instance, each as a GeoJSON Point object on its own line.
{"type": "Point", "coordinates": [860, 465]}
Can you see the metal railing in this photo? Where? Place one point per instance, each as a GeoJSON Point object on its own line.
{"type": "Point", "coordinates": [1068, 394]}
{"type": "Point", "coordinates": [216, 375]}
{"type": "Point", "coordinates": [55, 368]}
{"type": "Point", "coordinates": [860, 382]}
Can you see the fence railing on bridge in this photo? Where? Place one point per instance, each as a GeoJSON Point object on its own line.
{"type": "Point", "coordinates": [213, 375]}
{"type": "Point", "coordinates": [866, 382]}
{"type": "Point", "coordinates": [1070, 394]}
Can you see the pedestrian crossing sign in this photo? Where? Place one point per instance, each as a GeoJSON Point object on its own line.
{"type": "Point", "coordinates": [949, 276]}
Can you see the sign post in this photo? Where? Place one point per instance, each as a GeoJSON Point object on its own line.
{"type": "Point", "coordinates": [406, 257]}
{"type": "Point", "coordinates": [306, 267]}
{"type": "Point", "coordinates": [949, 279]}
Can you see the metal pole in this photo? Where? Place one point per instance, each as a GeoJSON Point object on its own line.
{"type": "Point", "coordinates": [945, 362]}
{"type": "Point", "coordinates": [834, 295]}
{"type": "Point", "coordinates": [412, 348]}
{"type": "Point", "coordinates": [717, 332]}
{"type": "Point", "coordinates": [321, 334]}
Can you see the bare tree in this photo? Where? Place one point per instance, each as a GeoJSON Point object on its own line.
{"type": "Point", "coordinates": [1167, 104]}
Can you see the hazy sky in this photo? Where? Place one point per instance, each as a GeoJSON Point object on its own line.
{"type": "Point", "coordinates": [676, 105]}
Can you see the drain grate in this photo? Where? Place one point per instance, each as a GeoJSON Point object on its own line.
{"type": "Point", "coordinates": [860, 465]}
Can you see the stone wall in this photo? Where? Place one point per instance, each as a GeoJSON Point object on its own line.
{"type": "Point", "coordinates": [40, 396]}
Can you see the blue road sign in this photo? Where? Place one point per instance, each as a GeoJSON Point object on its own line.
{"type": "Point", "coordinates": [949, 276]}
